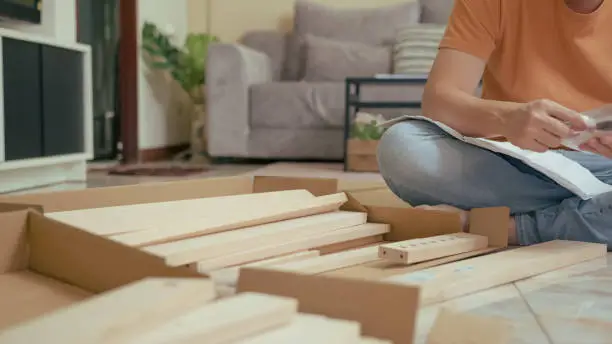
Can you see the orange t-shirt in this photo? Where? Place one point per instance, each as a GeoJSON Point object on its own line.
{"type": "Point", "coordinates": [537, 49]}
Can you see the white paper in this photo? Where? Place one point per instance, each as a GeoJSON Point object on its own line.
{"type": "Point", "coordinates": [593, 119]}
{"type": "Point", "coordinates": [566, 172]}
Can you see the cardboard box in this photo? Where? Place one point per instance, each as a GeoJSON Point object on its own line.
{"type": "Point", "coordinates": [361, 155]}
{"type": "Point", "coordinates": [46, 265]}
{"type": "Point", "coordinates": [385, 310]}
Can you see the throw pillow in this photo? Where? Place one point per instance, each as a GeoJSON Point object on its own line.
{"type": "Point", "coordinates": [416, 48]}
{"type": "Point", "coordinates": [372, 26]}
{"type": "Point", "coordinates": [330, 60]}
{"type": "Point", "coordinates": [436, 11]}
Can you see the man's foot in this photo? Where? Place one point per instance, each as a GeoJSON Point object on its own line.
{"type": "Point", "coordinates": [464, 215]}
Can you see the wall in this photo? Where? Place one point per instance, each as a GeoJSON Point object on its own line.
{"type": "Point", "coordinates": [163, 112]}
{"type": "Point", "coordinates": [58, 21]}
{"type": "Point", "coordinates": [221, 18]}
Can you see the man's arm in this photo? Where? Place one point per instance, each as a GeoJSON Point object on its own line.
{"type": "Point", "coordinates": [449, 96]}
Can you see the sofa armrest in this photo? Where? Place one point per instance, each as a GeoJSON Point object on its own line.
{"type": "Point", "coordinates": [230, 71]}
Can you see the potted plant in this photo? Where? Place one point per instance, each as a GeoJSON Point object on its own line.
{"type": "Point", "coordinates": [186, 65]}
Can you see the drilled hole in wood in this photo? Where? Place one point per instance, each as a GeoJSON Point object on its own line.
{"type": "Point", "coordinates": [401, 256]}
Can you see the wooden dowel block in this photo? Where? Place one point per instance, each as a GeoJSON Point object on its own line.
{"type": "Point", "coordinates": [339, 235]}
{"type": "Point", "coordinates": [187, 251]}
{"type": "Point", "coordinates": [310, 329]}
{"type": "Point", "coordinates": [232, 218]}
{"type": "Point", "coordinates": [116, 316]}
{"type": "Point", "coordinates": [226, 320]}
{"type": "Point", "coordinates": [420, 250]}
{"type": "Point", "coordinates": [130, 218]}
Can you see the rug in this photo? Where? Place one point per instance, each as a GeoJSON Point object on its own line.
{"type": "Point", "coordinates": [156, 170]}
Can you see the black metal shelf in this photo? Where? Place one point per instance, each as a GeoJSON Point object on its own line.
{"type": "Point", "coordinates": [353, 103]}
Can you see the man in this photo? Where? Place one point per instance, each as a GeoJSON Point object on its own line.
{"type": "Point", "coordinates": [542, 62]}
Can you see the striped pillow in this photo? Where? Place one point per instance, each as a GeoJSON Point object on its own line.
{"type": "Point", "coordinates": [416, 48]}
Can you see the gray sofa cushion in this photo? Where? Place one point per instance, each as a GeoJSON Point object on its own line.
{"type": "Point", "coordinates": [436, 11]}
{"type": "Point", "coordinates": [373, 26]}
{"type": "Point", "coordinates": [330, 60]}
{"type": "Point", "coordinates": [271, 43]}
{"type": "Point", "coordinates": [317, 105]}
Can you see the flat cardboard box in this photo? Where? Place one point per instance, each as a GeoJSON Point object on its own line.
{"type": "Point", "coordinates": [46, 265]}
{"type": "Point", "coordinates": [385, 310]}
{"type": "Point", "coordinates": [361, 155]}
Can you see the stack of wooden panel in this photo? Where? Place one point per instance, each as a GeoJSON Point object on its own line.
{"type": "Point", "coordinates": [183, 311]}
{"type": "Point", "coordinates": [219, 235]}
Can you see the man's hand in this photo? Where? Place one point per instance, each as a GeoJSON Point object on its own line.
{"type": "Point", "coordinates": [601, 144]}
{"type": "Point", "coordinates": [541, 125]}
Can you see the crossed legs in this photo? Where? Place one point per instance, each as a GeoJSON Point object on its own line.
{"type": "Point", "coordinates": [425, 166]}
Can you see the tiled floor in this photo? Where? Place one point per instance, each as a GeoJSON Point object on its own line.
{"type": "Point", "coordinates": [568, 306]}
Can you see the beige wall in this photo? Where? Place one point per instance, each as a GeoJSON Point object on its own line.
{"type": "Point", "coordinates": [214, 15]}
{"type": "Point", "coordinates": [162, 118]}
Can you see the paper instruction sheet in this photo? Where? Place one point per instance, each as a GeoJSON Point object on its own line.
{"type": "Point", "coordinates": [566, 172]}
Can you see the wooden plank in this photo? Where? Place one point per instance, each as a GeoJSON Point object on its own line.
{"type": "Point", "coordinates": [187, 251]}
{"type": "Point", "coordinates": [331, 262]}
{"type": "Point", "coordinates": [347, 245]}
{"type": "Point", "coordinates": [129, 218]}
{"type": "Point", "coordinates": [115, 316]}
{"type": "Point", "coordinates": [229, 276]}
{"type": "Point", "coordinates": [448, 281]}
{"type": "Point", "coordinates": [263, 252]}
{"type": "Point", "coordinates": [462, 328]}
{"type": "Point", "coordinates": [421, 250]}
{"type": "Point", "coordinates": [226, 320]}
{"type": "Point", "coordinates": [231, 218]}
{"type": "Point", "coordinates": [309, 329]}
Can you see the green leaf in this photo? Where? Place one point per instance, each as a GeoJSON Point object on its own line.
{"type": "Point", "coordinates": [186, 64]}
{"type": "Point", "coordinates": [160, 65]}
{"type": "Point", "coordinates": [152, 50]}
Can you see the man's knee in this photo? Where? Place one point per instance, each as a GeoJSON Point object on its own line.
{"type": "Point", "coordinates": [409, 158]}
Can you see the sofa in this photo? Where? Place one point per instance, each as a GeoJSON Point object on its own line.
{"type": "Point", "coordinates": [264, 100]}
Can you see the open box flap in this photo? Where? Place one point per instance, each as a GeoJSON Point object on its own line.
{"type": "Point", "coordinates": [89, 261]}
{"type": "Point", "coordinates": [135, 194]}
{"type": "Point", "coordinates": [13, 241]}
{"type": "Point", "coordinates": [316, 186]}
{"type": "Point", "coordinates": [410, 223]}
{"type": "Point", "coordinates": [9, 207]}
{"type": "Point", "coordinates": [385, 310]}
{"type": "Point", "coordinates": [353, 205]}
{"type": "Point", "coordinates": [492, 223]}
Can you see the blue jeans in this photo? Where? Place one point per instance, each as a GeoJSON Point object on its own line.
{"type": "Point", "coordinates": [424, 165]}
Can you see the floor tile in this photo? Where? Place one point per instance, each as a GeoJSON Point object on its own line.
{"type": "Point", "coordinates": [574, 305]}
{"type": "Point", "coordinates": [504, 302]}
{"type": "Point", "coordinates": [577, 331]}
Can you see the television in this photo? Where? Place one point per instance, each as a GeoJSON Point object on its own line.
{"type": "Point", "coordinates": [21, 10]}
